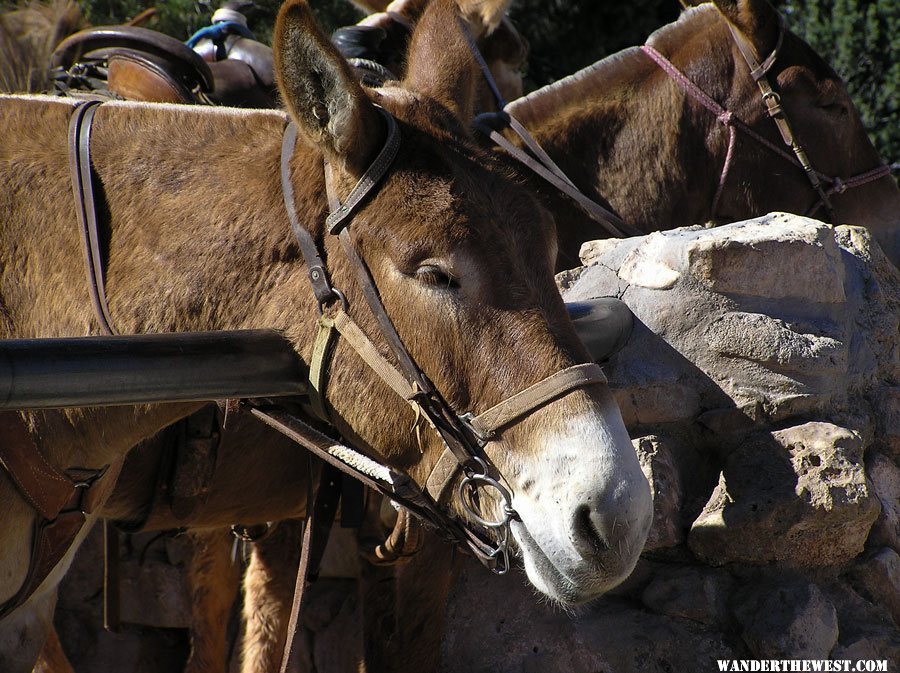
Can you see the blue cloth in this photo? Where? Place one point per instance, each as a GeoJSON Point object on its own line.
{"type": "Point", "coordinates": [219, 31]}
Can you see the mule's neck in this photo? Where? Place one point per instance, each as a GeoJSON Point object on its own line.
{"type": "Point", "coordinates": [624, 133]}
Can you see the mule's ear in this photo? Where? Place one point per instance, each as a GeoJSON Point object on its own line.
{"type": "Point", "coordinates": [756, 19]}
{"type": "Point", "coordinates": [486, 13]}
{"type": "Point", "coordinates": [321, 93]}
{"type": "Point", "coordinates": [440, 63]}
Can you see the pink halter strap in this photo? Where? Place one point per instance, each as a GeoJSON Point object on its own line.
{"type": "Point", "coordinates": [733, 123]}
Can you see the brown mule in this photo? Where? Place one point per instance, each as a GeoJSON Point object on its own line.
{"type": "Point", "coordinates": [460, 254]}
{"type": "Point", "coordinates": [630, 135]}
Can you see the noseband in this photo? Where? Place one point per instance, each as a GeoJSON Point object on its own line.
{"type": "Point", "coordinates": [464, 435]}
{"type": "Point", "coordinates": [772, 100]}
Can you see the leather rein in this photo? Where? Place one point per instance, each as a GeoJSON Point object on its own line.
{"type": "Point", "coordinates": [533, 157]}
{"type": "Point", "coordinates": [772, 100]}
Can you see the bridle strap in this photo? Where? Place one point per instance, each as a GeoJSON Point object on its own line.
{"type": "Point", "coordinates": [315, 266]}
{"type": "Point", "coordinates": [363, 189]}
{"type": "Point", "coordinates": [773, 106]}
{"type": "Point", "coordinates": [487, 423]}
{"type": "Point", "coordinates": [538, 161]}
{"type": "Point", "coordinates": [80, 124]}
{"type": "Point", "coordinates": [733, 123]}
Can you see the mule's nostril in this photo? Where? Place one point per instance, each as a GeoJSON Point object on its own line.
{"type": "Point", "coordinates": [586, 534]}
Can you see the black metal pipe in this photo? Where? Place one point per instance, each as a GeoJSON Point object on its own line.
{"type": "Point", "coordinates": [102, 371]}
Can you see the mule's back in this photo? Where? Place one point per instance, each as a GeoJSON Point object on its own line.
{"type": "Point", "coordinates": [181, 190]}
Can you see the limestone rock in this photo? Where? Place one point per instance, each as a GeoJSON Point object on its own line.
{"type": "Point", "coordinates": [786, 619]}
{"type": "Point", "coordinates": [658, 464]}
{"type": "Point", "coordinates": [878, 579]}
{"type": "Point", "coordinates": [884, 475]}
{"type": "Point", "coordinates": [694, 593]}
{"type": "Point", "coordinates": [798, 496]}
{"type": "Point", "coordinates": [779, 260]}
{"type": "Point", "coordinates": [154, 594]}
{"type": "Point", "coordinates": [888, 406]}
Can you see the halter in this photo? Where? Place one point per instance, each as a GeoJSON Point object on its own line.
{"type": "Point", "coordinates": [464, 435]}
{"type": "Point", "coordinates": [772, 101]}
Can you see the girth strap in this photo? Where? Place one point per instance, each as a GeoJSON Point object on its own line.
{"type": "Point", "coordinates": [86, 208]}
{"type": "Point", "coordinates": [61, 501]}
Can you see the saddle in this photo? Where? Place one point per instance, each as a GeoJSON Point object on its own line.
{"type": "Point", "coordinates": [223, 68]}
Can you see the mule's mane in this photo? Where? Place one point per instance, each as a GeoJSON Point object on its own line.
{"type": "Point", "coordinates": [686, 26]}
{"type": "Point", "coordinates": [607, 73]}
{"type": "Point", "coordinates": [198, 110]}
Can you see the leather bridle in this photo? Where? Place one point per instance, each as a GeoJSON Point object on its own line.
{"type": "Point", "coordinates": [772, 100]}
{"type": "Point", "coordinates": [464, 435]}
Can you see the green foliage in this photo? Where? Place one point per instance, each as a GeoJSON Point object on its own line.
{"type": "Point", "coordinates": [181, 18]}
{"type": "Point", "coordinates": [566, 35]}
{"type": "Point", "coordinates": [860, 39]}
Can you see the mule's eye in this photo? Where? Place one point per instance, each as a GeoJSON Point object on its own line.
{"type": "Point", "coordinates": [436, 276]}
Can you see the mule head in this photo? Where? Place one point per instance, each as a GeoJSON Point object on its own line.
{"type": "Point", "coordinates": [503, 47]}
{"type": "Point", "coordinates": [463, 261]}
{"type": "Point", "coordinates": [824, 121]}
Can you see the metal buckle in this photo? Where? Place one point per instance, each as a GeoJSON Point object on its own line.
{"type": "Point", "coordinates": [481, 438]}
{"type": "Point", "coordinates": [336, 295]}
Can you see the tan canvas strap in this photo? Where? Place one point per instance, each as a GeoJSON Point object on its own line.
{"type": "Point", "coordinates": [512, 409]}
{"type": "Point", "coordinates": [525, 402]}
{"type": "Point", "coordinates": [318, 366]}
{"type": "Point", "coordinates": [372, 357]}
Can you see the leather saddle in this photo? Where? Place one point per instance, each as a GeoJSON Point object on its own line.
{"type": "Point", "coordinates": [141, 64]}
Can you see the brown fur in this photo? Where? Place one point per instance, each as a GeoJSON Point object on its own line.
{"type": "Point", "coordinates": [194, 247]}
{"type": "Point", "coordinates": [624, 132]}
{"type": "Point", "coordinates": [27, 38]}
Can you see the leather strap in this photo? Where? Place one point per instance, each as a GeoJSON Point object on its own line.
{"type": "Point", "coordinates": [47, 489]}
{"type": "Point", "coordinates": [80, 125]}
{"type": "Point", "coordinates": [60, 501]}
{"type": "Point", "coordinates": [539, 161]}
{"type": "Point", "coordinates": [314, 264]}
{"type": "Point", "coordinates": [369, 180]}
{"type": "Point", "coordinates": [773, 106]}
{"type": "Point", "coordinates": [320, 512]}
{"type": "Point", "coordinates": [606, 218]}
{"type": "Point", "coordinates": [522, 403]}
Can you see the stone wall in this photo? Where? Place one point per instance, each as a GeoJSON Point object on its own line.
{"type": "Point", "coordinates": [761, 387]}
